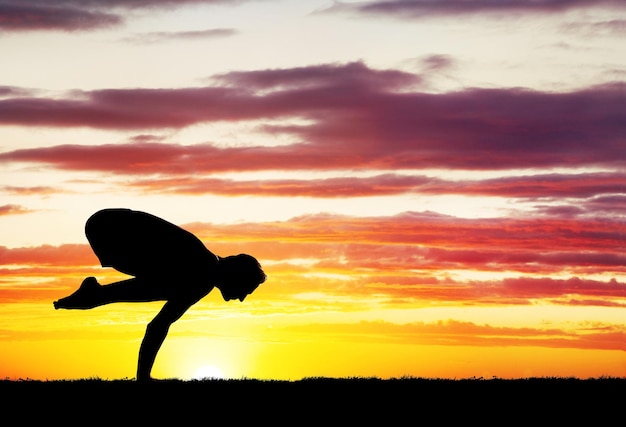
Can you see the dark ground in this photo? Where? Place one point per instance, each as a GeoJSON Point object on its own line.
{"type": "Point", "coordinates": [328, 401]}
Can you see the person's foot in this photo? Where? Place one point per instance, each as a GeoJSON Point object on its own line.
{"type": "Point", "coordinates": [83, 298]}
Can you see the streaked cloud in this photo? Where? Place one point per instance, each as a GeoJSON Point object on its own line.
{"type": "Point", "coordinates": [428, 8]}
{"type": "Point", "coordinates": [79, 15]}
{"type": "Point", "coordinates": [458, 333]}
{"type": "Point", "coordinates": [406, 256]}
{"type": "Point", "coordinates": [42, 15]}
{"type": "Point", "coordinates": [581, 185]}
{"type": "Point", "coordinates": [30, 191]}
{"type": "Point", "coordinates": [164, 36]}
{"type": "Point", "coordinates": [68, 254]}
{"type": "Point", "coordinates": [13, 209]}
{"type": "Point", "coordinates": [611, 27]}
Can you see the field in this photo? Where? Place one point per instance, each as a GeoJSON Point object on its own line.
{"type": "Point", "coordinates": [330, 401]}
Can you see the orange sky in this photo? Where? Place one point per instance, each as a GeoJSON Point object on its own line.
{"type": "Point", "coordinates": [433, 190]}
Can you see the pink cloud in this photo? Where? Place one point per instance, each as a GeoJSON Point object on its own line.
{"type": "Point", "coordinates": [13, 210]}
{"type": "Point", "coordinates": [30, 191]}
{"type": "Point", "coordinates": [582, 185]}
{"type": "Point", "coordinates": [435, 243]}
{"type": "Point", "coordinates": [431, 228]}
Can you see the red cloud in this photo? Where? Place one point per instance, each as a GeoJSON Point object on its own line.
{"type": "Point", "coordinates": [546, 287]}
{"type": "Point", "coordinates": [454, 333]}
{"type": "Point", "coordinates": [401, 291]}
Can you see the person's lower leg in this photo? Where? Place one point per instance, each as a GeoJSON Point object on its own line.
{"type": "Point", "coordinates": [92, 294]}
{"type": "Point", "coordinates": [86, 296]}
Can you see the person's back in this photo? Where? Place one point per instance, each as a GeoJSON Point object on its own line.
{"type": "Point", "coordinates": [141, 244]}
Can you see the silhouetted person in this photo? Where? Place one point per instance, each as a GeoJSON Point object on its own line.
{"type": "Point", "coordinates": [168, 264]}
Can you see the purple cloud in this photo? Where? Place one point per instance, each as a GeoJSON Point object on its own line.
{"type": "Point", "coordinates": [425, 8]}
{"type": "Point", "coordinates": [74, 15]}
{"type": "Point", "coordinates": [39, 15]}
{"type": "Point", "coordinates": [357, 118]}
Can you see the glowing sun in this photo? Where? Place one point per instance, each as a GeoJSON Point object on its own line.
{"type": "Point", "coordinates": [208, 372]}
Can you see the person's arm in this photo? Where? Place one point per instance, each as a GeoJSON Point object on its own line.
{"type": "Point", "coordinates": [156, 331]}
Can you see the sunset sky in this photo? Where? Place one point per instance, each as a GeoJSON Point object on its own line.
{"type": "Point", "coordinates": [434, 188]}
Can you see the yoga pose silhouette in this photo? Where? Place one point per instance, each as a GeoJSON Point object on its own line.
{"type": "Point", "coordinates": [168, 264]}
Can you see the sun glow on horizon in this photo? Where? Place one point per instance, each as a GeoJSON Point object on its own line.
{"type": "Point", "coordinates": [208, 372]}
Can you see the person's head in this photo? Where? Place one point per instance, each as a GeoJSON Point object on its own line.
{"type": "Point", "coordinates": [239, 276]}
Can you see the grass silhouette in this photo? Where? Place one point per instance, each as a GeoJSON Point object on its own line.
{"type": "Point", "coordinates": [315, 400]}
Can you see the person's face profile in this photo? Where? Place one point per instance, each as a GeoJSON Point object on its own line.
{"type": "Point", "coordinates": [236, 292]}
{"type": "Point", "coordinates": [229, 295]}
